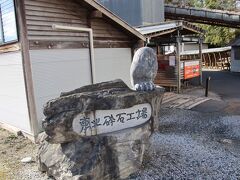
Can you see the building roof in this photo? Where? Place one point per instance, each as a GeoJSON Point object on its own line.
{"type": "Point", "coordinates": [169, 27]}
{"type": "Point", "coordinates": [115, 18]}
{"type": "Point", "coordinates": [212, 50]}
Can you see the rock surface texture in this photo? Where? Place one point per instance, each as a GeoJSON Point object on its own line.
{"type": "Point", "coordinates": [66, 154]}
{"type": "Point", "coordinates": [144, 69]}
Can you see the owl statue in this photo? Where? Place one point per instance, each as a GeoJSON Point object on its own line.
{"type": "Point", "coordinates": [144, 69]}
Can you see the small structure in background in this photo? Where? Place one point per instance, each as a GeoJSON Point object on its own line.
{"type": "Point", "coordinates": [174, 69]}
{"type": "Point", "coordinates": [235, 55]}
{"type": "Point", "coordinates": [214, 58]}
{"type": "Point", "coordinates": [87, 45]}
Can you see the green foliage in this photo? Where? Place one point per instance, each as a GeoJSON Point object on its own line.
{"type": "Point", "coordinates": [220, 4]}
{"type": "Point", "coordinates": [218, 36]}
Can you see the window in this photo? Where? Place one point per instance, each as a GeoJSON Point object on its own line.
{"type": "Point", "coordinates": [8, 28]}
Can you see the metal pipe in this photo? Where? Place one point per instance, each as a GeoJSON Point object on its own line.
{"type": "Point", "coordinates": [207, 86]}
{"type": "Point", "coordinates": [88, 30]}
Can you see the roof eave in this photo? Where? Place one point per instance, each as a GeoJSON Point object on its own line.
{"type": "Point", "coordinates": [116, 19]}
{"type": "Point", "coordinates": [179, 24]}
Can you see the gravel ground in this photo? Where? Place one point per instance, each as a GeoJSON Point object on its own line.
{"type": "Point", "coordinates": [189, 145]}
{"type": "Point", "coordinates": [193, 145]}
{"type": "Point", "coordinates": [12, 150]}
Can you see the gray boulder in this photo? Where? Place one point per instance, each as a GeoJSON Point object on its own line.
{"type": "Point", "coordinates": [67, 154]}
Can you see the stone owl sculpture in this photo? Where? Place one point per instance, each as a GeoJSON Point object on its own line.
{"type": "Point", "coordinates": [144, 69]}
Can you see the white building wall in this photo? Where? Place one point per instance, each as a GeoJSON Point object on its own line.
{"type": "Point", "coordinates": [235, 63]}
{"type": "Point", "coordinates": [56, 71]}
{"type": "Point", "coordinates": [13, 99]}
{"type": "Point", "coordinates": [112, 63]}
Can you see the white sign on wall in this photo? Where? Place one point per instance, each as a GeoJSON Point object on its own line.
{"type": "Point", "coordinates": [106, 121]}
{"type": "Point", "coordinates": [172, 61]}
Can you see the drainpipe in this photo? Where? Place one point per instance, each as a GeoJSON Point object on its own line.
{"type": "Point", "coordinates": [90, 32]}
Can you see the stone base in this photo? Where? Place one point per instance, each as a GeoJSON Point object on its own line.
{"type": "Point", "coordinates": [110, 157]}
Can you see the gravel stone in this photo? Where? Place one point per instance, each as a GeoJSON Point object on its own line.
{"type": "Point", "coordinates": [190, 145]}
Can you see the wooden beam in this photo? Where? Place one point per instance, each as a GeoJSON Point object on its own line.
{"type": "Point", "coordinates": [42, 44]}
{"type": "Point", "coordinates": [29, 87]}
{"type": "Point", "coordinates": [157, 34]}
{"type": "Point", "coordinates": [178, 62]}
{"type": "Point", "coordinates": [10, 48]}
{"type": "Point", "coordinates": [215, 60]}
{"type": "Point", "coordinates": [201, 59]}
{"type": "Point", "coordinates": [204, 59]}
{"type": "Point", "coordinates": [209, 59]}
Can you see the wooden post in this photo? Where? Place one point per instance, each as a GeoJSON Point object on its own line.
{"type": "Point", "coordinates": [209, 59]}
{"type": "Point", "coordinates": [201, 59]}
{"type": "Point", "coordinates": [27, 67]}
{"type": "Point", "coordinates": [178, 63]}
{"type": "Point", "coordinates": [204, 59]}
{"type": "Point", "coordinates": [215, 60]}
{"type": "Point", "coordinates": [220, 58]}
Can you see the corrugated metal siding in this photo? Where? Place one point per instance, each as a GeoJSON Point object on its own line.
{"type": "Point", "coordinates": [129, 11]}
{"type": "Point", "coordinates": [137, 12]}
{"type": "Point", "coordinates": [153, 12]}
{"type": "Point", "coordinates": [13, 103]}
{"type": "Point", "coordinates": [56, 71]}
{"type": "Point", "coordinates": [113, 64]}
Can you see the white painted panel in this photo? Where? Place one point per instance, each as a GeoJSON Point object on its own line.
{"type": "Point", "coordinates": [113, 63]}
{"type": "Point", "coordinates": [107, 121]}
{"type": "Point", "coordinates": [13, 101]}
{"type": "Point", "coordinates": [191, 46]}
{"type": "Point", "coordinates": [235, 63]}
{"type": "Point", "coordinates": [56, 71]}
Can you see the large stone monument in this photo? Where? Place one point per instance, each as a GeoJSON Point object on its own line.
{"type": "Point", "coordinates": [99, 131]}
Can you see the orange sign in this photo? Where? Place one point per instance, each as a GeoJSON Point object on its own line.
{"type": "Point", "coordinates": [191, 69]}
